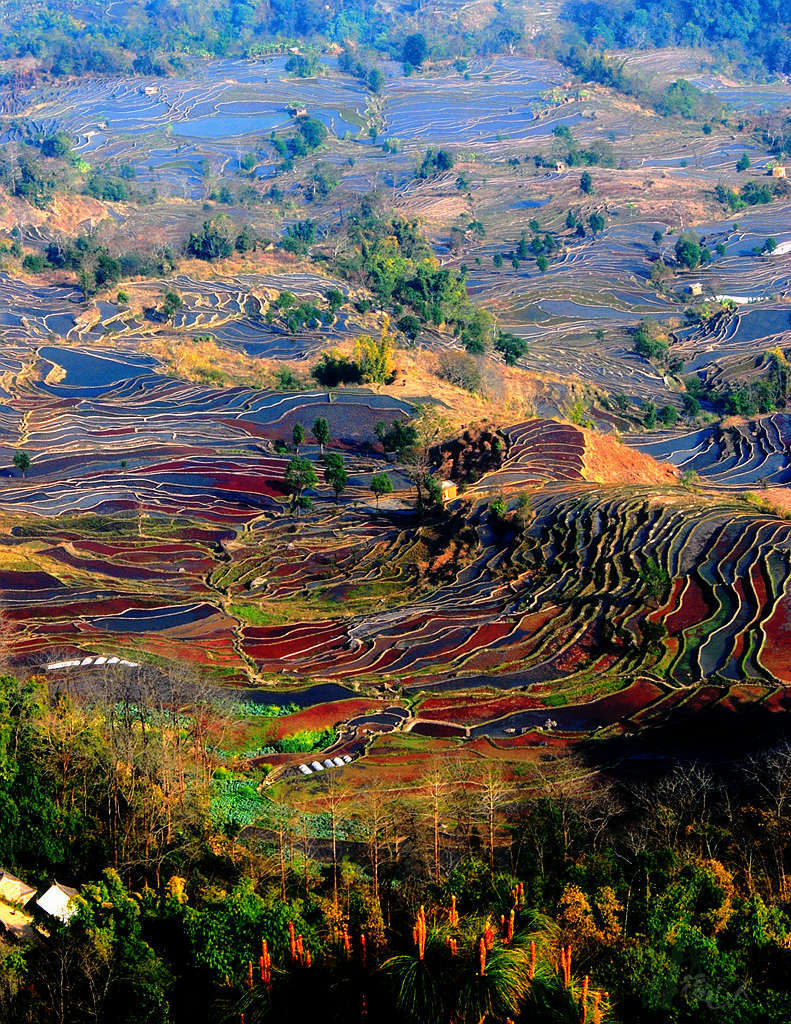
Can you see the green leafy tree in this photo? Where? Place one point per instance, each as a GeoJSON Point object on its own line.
{"type": "Point", "coordinates": [57, 145]}
{"type": "Point", "coordinates": [400, 437]}
{"type": "Point", "coordinates": [321, 431]}
{"type": "Point", "coordinates": [376, 80]}
{"type": "Point", "coordinates": [213, 241]}
{"type": "Point", "coordinates": [299, 477]}
{"type": "Point", "coordinates": [511, 347]}
{"type": "Point", "coordinates": [335, 299]}
{"type": "Point", "coordinates": [596, 223]}
{"type": "Point", "coordinates": [586, 182]}
{"type": "Point", "coordinates": [171, 304]}
{"type": "Point", "coordinates": [410, 325]}
{"type": "Point", "coordinates": [244, 241]}
{"type": "Point", "coordinates": [22, 462]}
{"type": "Point", "coordinates": [433, 491]}
{"type": "Point", "coordinates": [688, 252]}
{"type": "Point", "coordinates": [381, 484]}
{"type": "Point", "coordinates": [375, 356]}
{"type": "Point", "coordinates": [655, 578]}
{"type": "Point", "coordinates": [415, 49]}
{"type": "Point", "coordinates": [651, 340]}
{"type": "Point", "coordinates": [335, 473]}
{"type": "Point", "coordinates": [312, 132]}
{"type": "Point", "coordinates": [87, 279]}
{"type": "Point", "coordinates": [129, 980]}
{"type": "Point", "coordinates": [298, 436]}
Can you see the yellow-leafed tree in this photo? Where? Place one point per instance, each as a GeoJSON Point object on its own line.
{"type": "Point", "coordinates": [376, 356]}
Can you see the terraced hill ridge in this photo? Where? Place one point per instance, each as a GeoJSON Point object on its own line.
{"type": "Point", "coordinates": [540, 451]}
{"type": "Point", "coordinates": [577, 577]}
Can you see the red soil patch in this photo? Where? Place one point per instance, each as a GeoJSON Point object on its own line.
{"type": "Point", "coordinates": [775, 654]}
{"type": "Point", "coordinates": [607, 461]}
{"type": "Point", "coordinates": [779, 701]}
{"type": "Point", "coordinates": [322, 716]}
{"type": "Point", "coordinates": [739, 697]}
{"type": "Point", "coordinates": [658, 711]}
{"type": "Point", "coordinates": [759, 584]}
{"type": "Point", "coordinates": [693, 609]}
{"type": "Point", "coordinates": [700, 700]}
{"type": "Point", "coordinates": [475, 711]}
{"type": "Point", "coordinates": [622, 704]}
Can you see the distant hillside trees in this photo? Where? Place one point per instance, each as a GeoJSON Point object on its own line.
{"type": "Point", "coordinates": [335, 473]}
{"type": "Point", "coordinates": [375, 356]}
{"type": "Point", "coordinates": [753, 193]}
{"type": "Point", "coordinates": [415, 50]}
{"type": "Point", "coordinates": [214, 241]}
{"type": "Point", "coordinates": [171, 304]}
{"type": "Point", "coordinates": [435, 162]}
{"type": "Point", "coordinates": [762, 28]}
{"type": "Point", "coordinates": [321, 431]}
{"type": "Point", "coordinates": [511, 347]}
{"type": "Point", "coordinates": [688, 251]}
{"type": "Point", "coordinates": [22, 462]}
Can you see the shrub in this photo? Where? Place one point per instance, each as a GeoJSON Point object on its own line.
{"type": "Point", "coordinates": [333, 370]}
{"type": "Point", "coordinates": [688, 251]}
{"type": "Point", "coordinates": [410, 325]}
{"type": "Point", "coordinates": [434, 162]}
{"type": "Point", "coordinates": [511, 347]}
{"type": "Point", "coordinates": [212, 242]}
{"type": "Point", "coordinates": [650, 341]}
{"type": "Point", "coordinates": [460, 369]}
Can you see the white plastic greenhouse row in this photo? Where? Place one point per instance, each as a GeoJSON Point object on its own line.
{"type": "Point", "coordinates": [101, 660]}
{"type": "Point", "coordinates": [318, 766]}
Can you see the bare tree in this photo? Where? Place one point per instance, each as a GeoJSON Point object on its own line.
{"type": "Point", "coordinates": [493, 794]}
{"type": "Point", "coordinates": [376, 818]}
{"type": "Point", "coordinates": [436, 785]}
{"type": "Point", "coordinates": [770, 775]}
{"type": "Point", "coordinates": [334, 796]}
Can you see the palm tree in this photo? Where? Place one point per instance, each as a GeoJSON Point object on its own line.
{"type": "Point", "coordinates": [452, 987]}
{"type": "Point", "coordinates": [426, 987]}
{"type": "Point", "coordinates": [502, 988]}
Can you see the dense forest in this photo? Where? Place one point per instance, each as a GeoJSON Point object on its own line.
{"type": "Point", "coordinates": [468, 899]}
{"type": "Point", "coordinates": [762, 27]}
{"type": "Point", "coordinates": [155, 39]}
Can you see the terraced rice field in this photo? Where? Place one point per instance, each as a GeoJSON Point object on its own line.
{"type": "Point", "coordinates": [201, 551]}
{"type": "Point", "coordinates": [165, 127]}
{"type": "Point", "coordinates": [152, 522]}
{"type": "Point", "coordinates": [602, 285]}
{"type": "Point", "coordinates": [735, 457]}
